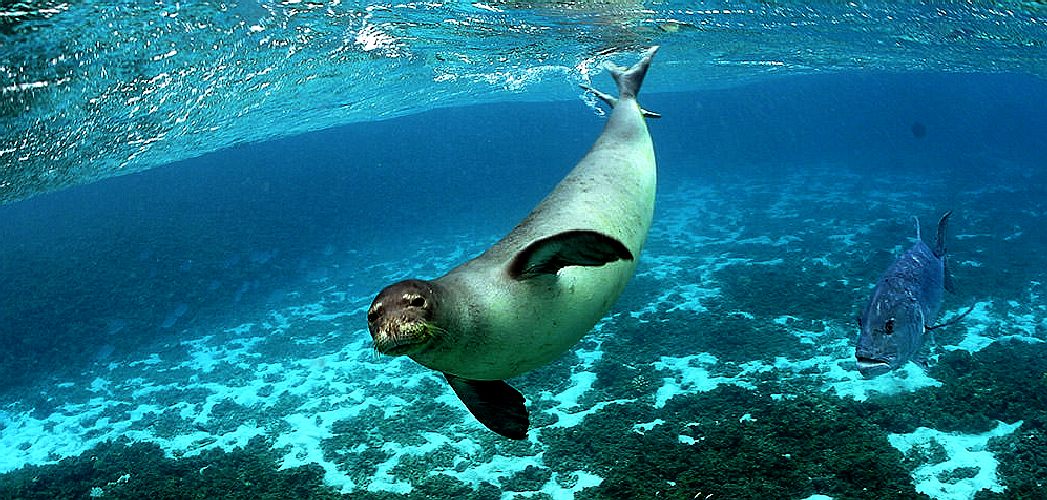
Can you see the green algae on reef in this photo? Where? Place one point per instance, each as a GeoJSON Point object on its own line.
{"type": "Point", "coordinates": [788, 448]}
{"type": "Point", "coordinates": [128, 470]}
{"type": "Point", "coordinates": [1003, 382]}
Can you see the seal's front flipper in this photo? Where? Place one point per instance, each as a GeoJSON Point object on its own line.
{"type": "Point", "coordinates": [494, 403]}
{"type": "Point", "coordinates": [569, 248]}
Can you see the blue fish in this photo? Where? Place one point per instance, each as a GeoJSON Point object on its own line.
{"type": "Point", "coordinates": [896, 323]}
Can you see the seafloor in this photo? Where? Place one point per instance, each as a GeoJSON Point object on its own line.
{"type": "Point", "coordinates": [725, 369]}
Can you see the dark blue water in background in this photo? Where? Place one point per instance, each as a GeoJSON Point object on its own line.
{"type": "Point", "coordinates": [97, 272]}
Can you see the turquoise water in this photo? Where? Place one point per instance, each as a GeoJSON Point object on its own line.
{"type": "Point", "coordinates": [94, 89]}
{"type": "Point", "coordinates": [196, 329]}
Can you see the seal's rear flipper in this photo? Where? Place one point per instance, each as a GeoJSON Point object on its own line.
{"type": "Point", "coordinates": [612, 101]}
{"type": "Point", "coordinates": [494, 403]}
{"type": "Point", "coordinates": [569, 248]}
{"type": "Point", "coordinates": [630, 79]}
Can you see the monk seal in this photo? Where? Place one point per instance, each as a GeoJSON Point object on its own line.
{"type": "Point", "coordinates": [537, 291]}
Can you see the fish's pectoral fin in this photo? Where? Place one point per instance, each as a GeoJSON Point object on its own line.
{"type": "Point", "coordinates": [951, 321]}
{"type": "Point", "coordinates": [569, 248]}
{"type": "Point", "coordinates": [494, 403]}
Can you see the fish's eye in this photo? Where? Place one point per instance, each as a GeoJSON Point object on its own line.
{"type": "Point", "coordinates": [418, 302]}
{"type": "Point", "coordinates": [888, 327]}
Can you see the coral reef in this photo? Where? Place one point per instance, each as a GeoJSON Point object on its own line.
{"type": "Point", "coordinates": [734, 443]}
{"type": "Point", "coordinates": [140, 470]}
{"type": "Point", "coordinates": [1003, 382]}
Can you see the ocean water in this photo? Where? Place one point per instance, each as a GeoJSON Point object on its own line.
{"type": "Point", "coordinates": [201, 199]}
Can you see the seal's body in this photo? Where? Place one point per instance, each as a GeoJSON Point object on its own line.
{"type": "Point", "coordinates": [535, 293]}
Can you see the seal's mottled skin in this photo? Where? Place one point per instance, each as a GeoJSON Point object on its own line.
{"type": "Point", "coordinates": [500, 327]}
{"type": "Point", "coordinates": [486, 320]}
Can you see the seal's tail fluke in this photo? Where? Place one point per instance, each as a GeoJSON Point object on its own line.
{"type": "Point", "coordinates": [940, 250]}
{"type": "Point", "coordinates": [629, 81]}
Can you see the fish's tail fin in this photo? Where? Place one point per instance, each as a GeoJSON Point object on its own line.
{"type": "Point", "coordinates": [940, 251]}
{"type": "Point", "coordinates": [629, 80]}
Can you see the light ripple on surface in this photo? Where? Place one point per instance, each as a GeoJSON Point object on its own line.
{"type": "Point", "coordinates": [98, 90]}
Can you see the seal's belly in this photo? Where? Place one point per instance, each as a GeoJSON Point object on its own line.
{"type": "Point", "coordinates": [524, 325]}
{"type": "Point", "coordinates": [554, 323]}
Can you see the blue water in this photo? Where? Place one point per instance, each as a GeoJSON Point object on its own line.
{"type": "Point", "coordinates": [196, 329]}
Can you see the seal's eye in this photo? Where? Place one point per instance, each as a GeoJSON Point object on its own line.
{"type": "Point", "coordinates": [859, 320]}
{"type": "Point", "coordinates": [888, 327]}
{"type": "Point", "coordinates": [418, 302]}
{"type": "Point", "coordinates": [373, 314]}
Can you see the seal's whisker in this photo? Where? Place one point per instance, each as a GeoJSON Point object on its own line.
{"type": "Point", "coordinates": [431, 328]}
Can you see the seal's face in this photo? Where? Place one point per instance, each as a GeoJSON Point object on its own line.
{"type": "Point", "coordinates": [401, 318]}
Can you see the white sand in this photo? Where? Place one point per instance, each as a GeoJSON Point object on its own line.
{"type": "Point", "coordinates": [963, 451]}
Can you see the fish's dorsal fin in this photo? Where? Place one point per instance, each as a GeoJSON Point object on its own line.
{"type": "Point", "coordinates": [494, 403]}
{"type": "Point", "coordinates": [941, 251]}
{"type": "Point", "coordinates": [939, 241]}
{"type": "Point", "coordinates": [579, 247]}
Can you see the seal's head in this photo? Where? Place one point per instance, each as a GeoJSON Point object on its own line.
{"type": "Point", "coordinates": [401, 317]}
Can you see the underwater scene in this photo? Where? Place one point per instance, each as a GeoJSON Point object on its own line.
{"type": "Point", "coordinates": [836, 290]}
